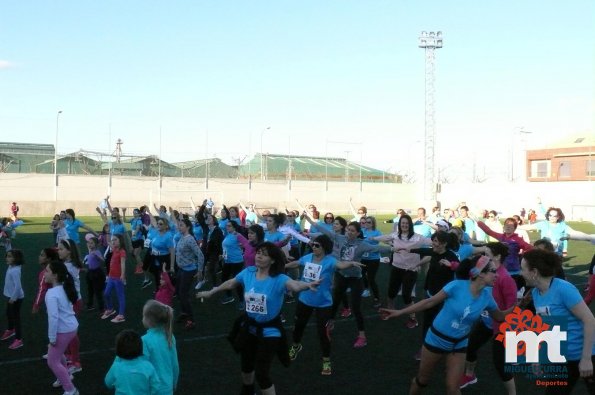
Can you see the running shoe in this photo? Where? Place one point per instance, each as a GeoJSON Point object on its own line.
{"type": "Point", "coordinates": [119, 318]}
{"type": "Point", "coordinates": [294, 350]}
{"type": "Point", "coordinates": [346, 312]}
{"type": "Point", "coordinates": [107, 314]}
{"type": "Point", "coordinates": [7, 334]}
{"type": "Point", "coordinates": [326, 367]}
{"type": "Point", "coordinates": [146, 283]}
{"type": "Point", "coordinates": [467, 381]}
{"type": "Point", "coordinates": [200, 284]}
{"type": "Point", "coordinates": [58, 384]}
{"type": "Point", "coordinates": [75, 368]}
{"type": "Point", "coordinates": [360, 342]}
{"type": "Point", "coordinates": [329, 326]}
{"type": "Point", "coordinates": [366, 293]}
{"type": "Point", "coordinates": [44, 356]}
{"type": "Point", "coordinates": [73, 392]}
{"type": "Point", "coordinates": [227, 300]}
{"type": "Point", "coordinates": [412, 323]}
{"type": "Point", "coordinates": [17, 343]}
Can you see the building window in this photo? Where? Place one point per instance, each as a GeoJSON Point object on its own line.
{"type": "Point", "coordinates": [564, 169]}
{"type": "Point", "coordinates": [540, 168]}
{"type": "Point", "coordinates": [590, 168]}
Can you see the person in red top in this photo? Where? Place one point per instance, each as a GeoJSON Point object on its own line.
{"type": "Point", "coordinates": [14, 211]}
{"type": "Point", "coordinates": [116, 279]}
{"type": "Point", "coordinates": [46, 256]}
{"type": "Point", "coordinates": [165, 293]}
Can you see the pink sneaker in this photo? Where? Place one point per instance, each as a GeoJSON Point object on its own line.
{"type": "Point", "coordinates": [467, 380]}
{"type": "Point", "coordinates": [119, 318]}
{"type": "Point", "coordinates": [7, 334]}
{"type": "Point", "coordinates": [17, 343]}
{"type": "Point", "coordinates": [360, 342]}
{"type": "Point", "coordinates": [107, 314]}
{"type": "Point", "coordinates": [346, 313]}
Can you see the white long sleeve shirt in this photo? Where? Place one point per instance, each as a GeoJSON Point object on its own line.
{"type": "Point", "coordinates": [61, 318]}
{"type": "Point", "coordinates": [12, 283]}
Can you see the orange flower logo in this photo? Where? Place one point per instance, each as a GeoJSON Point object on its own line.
{"type": "Point", "coordinates": [520, 321]}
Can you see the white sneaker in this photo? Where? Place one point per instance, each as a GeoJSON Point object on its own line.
{"type": "Point", "coordinates": [58, 384]}
{"type": "Point", "coordinates": [73, 392]}
{"type": "Point", "coordinates": [366, 293]}
{"type": "Point", "coordinates": [44, 356]}
{"type": "Point", "coordinates": [200, 284]}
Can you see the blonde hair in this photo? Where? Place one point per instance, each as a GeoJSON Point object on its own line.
{"type": "Point", "coordinates": [158, 314]}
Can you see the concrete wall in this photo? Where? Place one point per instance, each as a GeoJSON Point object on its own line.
{"type": "Point", "coordinates": [35, 194]}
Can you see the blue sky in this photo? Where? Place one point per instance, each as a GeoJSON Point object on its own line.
{"type": "Point", "coordinates": [339, 70]}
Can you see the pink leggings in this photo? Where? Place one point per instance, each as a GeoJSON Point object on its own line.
{"type": "Point", "coordinates": [57, 361]}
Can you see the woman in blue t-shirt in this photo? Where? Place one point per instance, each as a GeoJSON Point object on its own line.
{"type": "Point", "coordinates": [260, 329]}
{"type": "Point", "coordinates": [233, 261]}
{"type": "Point", "coordinates": [464, 301]}
{"type": "Point", "coordinates": [554, 297]}
{"type": "Point", "coordinates": [317, 266]}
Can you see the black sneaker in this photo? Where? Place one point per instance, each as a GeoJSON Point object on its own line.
{"type": "Point", "coordinates": [146, 283]}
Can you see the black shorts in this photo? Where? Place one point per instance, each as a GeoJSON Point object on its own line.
{"type": "Point", "coordinates": [138, 243]}
{"type": "Point", "coordinates": [437, 350]}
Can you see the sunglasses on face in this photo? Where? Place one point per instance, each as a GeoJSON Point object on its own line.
{"type": "Point", "coordinates": [316, 245]}
{"type": "Point", "coordinates": [491, 270]}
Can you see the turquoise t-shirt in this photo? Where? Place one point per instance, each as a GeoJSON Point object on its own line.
{"type": "Point", "coordinates": [324, 270]}
{"type": "Point", "coordinates": [557, 302]}
{"type": "Point", "coordinates": [263, 298]}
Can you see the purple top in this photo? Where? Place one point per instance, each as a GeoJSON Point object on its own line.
{"type": "Point", "coordinates": [94, 260]}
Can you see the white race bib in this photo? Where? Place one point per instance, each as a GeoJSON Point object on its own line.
{"type": "Point", "coordinates": [312, 272]}
{"type": "Point", "coordinates": [147, 243]}
{"type": "Point", "coordinates": [256, 303]}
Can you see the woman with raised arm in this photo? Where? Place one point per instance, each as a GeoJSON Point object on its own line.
{"type": "Point", "coordinates": [211, 243]}
{"type": "Point", "coordinates": [318, 266]}
{"type": "Point", "coordinates": [351, 247]}
{"type": "Point", "coordinates": [259, 334]}
{"type": "Point", "coordinates": [463, 301]}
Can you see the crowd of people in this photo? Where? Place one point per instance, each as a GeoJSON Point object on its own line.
{"type": "Point", "coordinates": [475, 270]}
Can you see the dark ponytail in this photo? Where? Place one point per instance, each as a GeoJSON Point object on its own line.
{"type": "Point", "coordinates": [63, 277]}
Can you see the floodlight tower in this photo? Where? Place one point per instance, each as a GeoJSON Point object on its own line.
{"type": "Point", "coordinates": [430, 41]}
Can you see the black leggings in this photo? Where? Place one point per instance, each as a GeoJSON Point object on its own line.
{"type": "Point", "coordinates": [369, 271]}
{"type": "Point", "coordinates": [573, 376]}
{"type": "Point", "coordinates": [479, 335]}
{"type": "Point", "coordinates": [401, 278]}
{"type": "Point", "coordinates": [323, 315]}
{"type": "Point", "coordinates": [357, 286]}
{"type": "Point", "coordinates": [95, 286]}
{"type": "Point", "coordinates": [13, 314]}
{"type": "Point", "coordinates": [230, 270]}
{"type": "Point", "coordinates": [257, 356]}
{"type": "Point", "coordinates": [184, 282]}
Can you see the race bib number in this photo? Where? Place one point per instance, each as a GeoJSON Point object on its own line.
{"type": "Point", "coordinates": [256, 303]}
{"type": "Point", "coordinates": [543, 310]}
{"type": "Point", "coordinates": [312, 272]}
{"type": "Point", "coordinates": [147, 243]}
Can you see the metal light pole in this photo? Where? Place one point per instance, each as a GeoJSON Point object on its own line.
{"type": "Point", "coordinates": [430, 42]}
{"type": "Point", "coordinates": [262, 177]}
{"type": "Point", "coordinates": [56, 156]}
{"type": "Point", "coordinates": [512, 146]}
